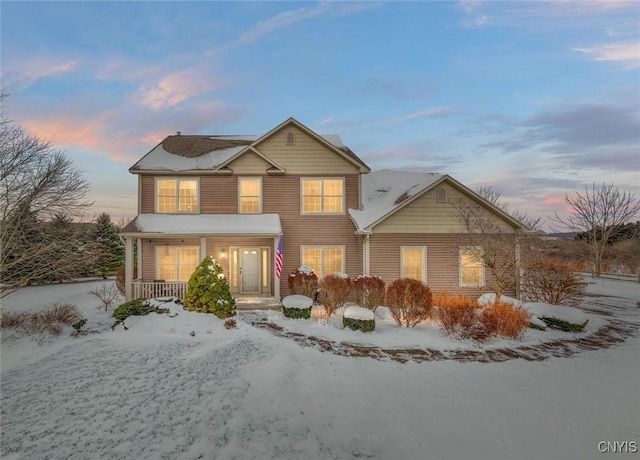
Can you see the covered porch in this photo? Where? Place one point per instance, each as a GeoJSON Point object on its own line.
{"type": "Point", "coordinates": [169, 247]}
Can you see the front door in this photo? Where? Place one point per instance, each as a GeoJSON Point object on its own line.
{"type": "Point", "coordinates": [250, 270]}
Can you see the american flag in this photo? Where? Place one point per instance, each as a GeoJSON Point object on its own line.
{"type": "Point", "coordinates": [279, 258]}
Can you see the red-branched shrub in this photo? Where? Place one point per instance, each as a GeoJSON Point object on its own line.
{"type": "Point", "coordinates": [303, 281]}
{"type": "Point", "coordinates": [409, 301]}
{"type": "Point", "coordinates": [504, 320]}
{"type": "Point", "coordinates": [552, 282]}
{"type": "Point", "coordinates": [65, 314]}
{"type": "Point", "coordinates": [457, 315]}
{"type": "Point", "coordinates": [334, 290]}
{"type": "Point", "coordinates": [369, 291]}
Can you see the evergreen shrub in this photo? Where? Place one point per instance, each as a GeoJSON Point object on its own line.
{"type": "Point", "coordinates": [208, 290]}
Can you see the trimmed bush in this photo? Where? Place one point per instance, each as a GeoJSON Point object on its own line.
{"type": "Point", "coordinates": [208, 290]}
{"type": "Point", "coordinates": [297, 307]}
{"type": "Point", "coordinates": [457, 315]}
{"type": "Point", "coordinates": [137, 307]}
{"type": "Point", "coordinates": [504, 320]}
{"type": "Point", "coordinates": [359, 319]}
{"type": "Point", "coordinates": [303, 281]}
{"type": "Point", "coordinates": [334, 290]}
{"type": "Point", "coordinates": [369, 291]}
{"type": "Point", "coordinates": [552, 282]}
{"type": "Point", "coordinates": [409, 301]}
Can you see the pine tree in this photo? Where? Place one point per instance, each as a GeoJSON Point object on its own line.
{"type": "Point", "coordinates": [108, 249]}
{"type": "Point", "coordinates": [208, 290]}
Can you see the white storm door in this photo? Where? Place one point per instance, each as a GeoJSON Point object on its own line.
{"type": "Point", "coordinates": [250, 270]}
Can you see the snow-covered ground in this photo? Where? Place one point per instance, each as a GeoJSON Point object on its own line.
{"type": "Point", "coordinates": [157, 392]}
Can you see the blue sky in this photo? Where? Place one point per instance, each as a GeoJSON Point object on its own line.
{"type": "Point", "coordinates": [536, 99]}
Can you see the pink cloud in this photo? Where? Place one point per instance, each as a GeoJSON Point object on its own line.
{"type": "Point", "coordinates": [26, 73]}
{"type": "Point", "coordinates": [554, 200]}
{"type": "Point", "coordinates": [177, 87]}
{"type": "Point", "coordinates": [627, 53]}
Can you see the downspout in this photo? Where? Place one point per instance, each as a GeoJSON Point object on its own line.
{"type": "Point", "coordinates": [366, 262]}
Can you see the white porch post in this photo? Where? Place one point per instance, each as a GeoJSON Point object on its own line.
{"type": "Point", "coordinates": [276, 280]}
{"type": "Point", "coordinates": [128, 268]}
{"type": "Point", "coordinates": [203, 247]}
{"type": "Point", "coordinates": [366, 256]}
{"type": "Point", "coordinates": [139, 246]}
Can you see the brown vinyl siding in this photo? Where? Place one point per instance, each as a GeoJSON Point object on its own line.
{"type": "Point", "coordinates": [281, 195]}
{"type": "Point", "coordinates": [442, 260]}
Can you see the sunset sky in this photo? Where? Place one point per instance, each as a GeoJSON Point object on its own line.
{"type": "Point", "coordinates": [536, 99]}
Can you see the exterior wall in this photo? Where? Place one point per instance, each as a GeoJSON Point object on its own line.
{"type": "Point", "coordinates": [306, 156]}
{"type": "Point", "coordinates": [442, 260]}
{"type": "Point", "coordinates": [281, 195]}
{"type": "Point", "coordinates": [249, 163]}
{"type": "Point", "coordinates": [426, 215]}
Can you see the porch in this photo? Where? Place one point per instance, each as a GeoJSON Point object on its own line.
{"type": "Point", "coordinates": [159, 288]}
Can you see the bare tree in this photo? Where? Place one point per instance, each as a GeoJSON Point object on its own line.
{"type": "Point", "coordinates": [37, 183]}
{"type": "Point", "coordinates": [495, 198]}
{"type": "Point", "coordinates": [482, 229]}
{"type": "Point", "coordinates": [598, 212]}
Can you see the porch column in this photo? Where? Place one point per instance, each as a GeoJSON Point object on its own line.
{"type": "Point", "coordinates": [139, 246]}
{"type": "Point", "coordinates": [203, 247]}
{"type": "Point", "coordinates": [276, 280]}
{"type": "Point", "coordinates": [128, 269]}
{"type": "Point", "coordinates": [366, 256]}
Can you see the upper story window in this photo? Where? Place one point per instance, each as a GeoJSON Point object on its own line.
{"type": "Point", "coordinates": [322, 196]}
{"type": "Point", "coordinates": [176, 196]}
{"type": "Point", "coordinates": [471, 267]}
{"type": "Point", "coordinates": [250, 195]}
{"type": "Point", "coordinates": [291, 138]}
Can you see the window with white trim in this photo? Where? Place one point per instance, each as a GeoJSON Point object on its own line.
{"type": "Point", "coordinates": [322, 196]}
{"type": "Point", "coordinates": [324, 260]}
{"type": "Point", "coordinates": [471, 267]}
{"type": "Point", "coordinates": [176, 263]}
{"type": "Point", "coordinates": [250, 195]}
{"type": "Point", "coordinates": [413, 263]}
{"type": "Point", "coordinates": [176, 196]}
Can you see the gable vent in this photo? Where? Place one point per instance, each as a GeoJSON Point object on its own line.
{"type": "Point", "coordinates": [291, 138]}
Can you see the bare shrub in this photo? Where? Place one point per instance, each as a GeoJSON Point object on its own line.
{"type": "Point", "coordinates": [334, 290]}
{"type": "Point", "coordinates": [552, 282]}
{"type": "Point", "coordinates": [457, 315]}
{"type": "Point", "coordinates": [504, 320]}
{"type": "Point", "coordinates": [106, 294]}
{"type": "Point", "coordinates": [409, 301]}
{"type": "Point", "coordinates": [303, 281]}
{"type": "Point", "coordinates": [230, 323]}
{"type": "Point", "coordinates": [13, 319]}
{"type": "Point", "coordinates": [65, 314]}
{"type": "Point", "coordinates": [369, 291]}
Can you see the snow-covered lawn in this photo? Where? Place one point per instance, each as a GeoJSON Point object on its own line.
{"type": "Point", "coordinates": [157, 392]}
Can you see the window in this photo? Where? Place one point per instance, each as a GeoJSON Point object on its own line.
{"type": "Point", "coordinates": [324, 260]}
{"type": "Point", "coordinates": [441, 196]}
{"type": "Point", "coordinates": [413, 262]}
{"type": "Point", "coordinates": [176, 263]}
{"type": "Point", "coordinates": [250, 193]}
{"type": "Point", "coordinates": [177, 195]}
{"type": "Point", "coordinates": [291, 138]}
{"type": "Point", "coordinates": [323, 196]}
{"type": "Point", "coordinates": [471, 268]}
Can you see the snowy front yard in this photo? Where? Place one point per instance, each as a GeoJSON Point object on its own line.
{"type": "Point", "coordinates": [155, 391]}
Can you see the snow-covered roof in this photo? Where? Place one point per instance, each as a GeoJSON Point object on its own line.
{"type": "Point", "coordinates": [385, 190]}
{"type": "Point", "coordinates": [206, 224]}
{"type": "Point", "coordinates": [196, 153]}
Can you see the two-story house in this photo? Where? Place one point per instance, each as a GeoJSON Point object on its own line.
{"type": "Point", "coordinates": [242, 199]}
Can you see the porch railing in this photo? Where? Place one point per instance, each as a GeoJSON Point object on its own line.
{"type": "Point", "coordinates": [159, 289]}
